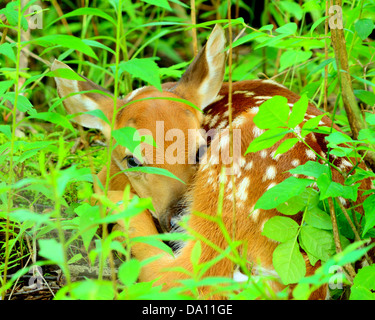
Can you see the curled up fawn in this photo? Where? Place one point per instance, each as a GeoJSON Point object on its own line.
{"type": "Point", "coordinates": [252, 174]}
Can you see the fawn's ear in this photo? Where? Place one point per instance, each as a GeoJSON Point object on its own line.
{"type": "Point", "coordinates": [84, 102]}
{"type": "Point", "coordinates": [203, 79]}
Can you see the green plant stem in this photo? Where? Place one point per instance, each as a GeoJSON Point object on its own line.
{"type": "Point", "coordinates": [11, 154]}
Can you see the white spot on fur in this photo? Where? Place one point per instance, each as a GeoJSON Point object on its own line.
{"type": "Point", "coordinates": [255, 215]}
{"type": "Point", "coordinates": [257, 132]}
{"type": "Point", "coordinates": [310, 154]}
{"type": "Point", "coordinates": [270, 81]}
{"type": "Point", "coordinates": [270, 173]}
{"type": "Point", "coordinates": [249, 165]}
{"type": "Point", "coordinates": [296, 162]}
{"type": "Point", "coordinates": [214, 120]}
{"type": "Point", "coordinates": [242, 189]}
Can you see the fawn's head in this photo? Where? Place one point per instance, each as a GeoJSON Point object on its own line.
{"type": "Point", "coordinates": [170, 123]}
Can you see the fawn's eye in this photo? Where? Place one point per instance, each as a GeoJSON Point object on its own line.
{"type": "Point", "coordinates": [132, 162]}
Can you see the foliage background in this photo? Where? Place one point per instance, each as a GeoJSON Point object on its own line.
{"type": "Point", "coordinates": [47, 163]}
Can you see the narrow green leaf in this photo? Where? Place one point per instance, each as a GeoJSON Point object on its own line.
{"type": "Point", "coordinates": [159, 3]}
{"type": "Point", "coordinates": [267, 139]}
{"type": "Point", "coordinates": [65, 41]}
{"type": "Point", "coordinates": [286, 145]}
{"type": "Point", "coordinates": [55, 118]}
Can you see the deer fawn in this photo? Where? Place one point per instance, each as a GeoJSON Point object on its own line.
{"type": "Point", "coordinates": [202, 84]}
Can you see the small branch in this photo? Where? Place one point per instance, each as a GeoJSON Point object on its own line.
{"type": "Point", "coordinates": [336, 235]}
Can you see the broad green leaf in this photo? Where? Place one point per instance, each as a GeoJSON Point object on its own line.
{"type": "Point", "coordinates": [23, 104]}
{"type": "Point", "coordinates": [88, 217]}
{"type": "Point", "coordinates": [7, 50]}
{"type": "Point", "coordinates": [280, 229]}
{"type": "Point", "coordinates": [5, 85]}
{"type": "Point", "coordinates": [309, 197]}
{"type": "Point", "coordinates": [336, 138]}
{"type": "Point", "coordinates": [288, 262]}
{"type": "Point", "coordinates": [65, 41]}
{"type": "Point", "coordinates": [317, 242]}
{"type": "Point", "coordinates": [272, 113]}
{"type": "Point", "coordinates": [329, 188]}
{"type": "Point", "coordinates": [293, 57]}
{"type": "Point", "coordinates": [129, 271]}
{"type": "Point", "coordinates": [366, 277]}
{"type": "Point", "coordinates": [310, 169]}
{"type": "Point", "coordinates": [369, 207]}
{"type": "Point", "coordinates": [318, 218]}
{"type": "Point", "coordinates": [145, 69]}
{"type": "Point", "coordinates": [6, 129]}
{"type": "Point", "coordinates": [293, 8]}
{"type": "Point", "coordinates": [51, 250]}
{"type": "Point", "coordinates": [367, 97]}
{"type": "Point", "coordinates": [298, 112]}
{"type": "Point", "coordinates": [364, 27]}
{"type": "Point", "coordinates": [288, 28]}
{"type": "Point", "coordinates": [267, 139]}
{"type": "Point", "coordinates": [370, 117]}
{"type": "Point", "coordinates": [367, 135]}
{"type": "Point", "coordinates": [282, 192]}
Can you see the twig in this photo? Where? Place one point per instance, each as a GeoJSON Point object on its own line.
{"type": "Point", "coordinates": [349, 268]}
{"type": "Point", "coordinates": [352, 226]}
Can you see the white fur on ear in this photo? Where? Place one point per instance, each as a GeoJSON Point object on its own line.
{"type": "Point", "coordinates": [215, 57]}
{"type": "Point", "coordinates": [78, 102]}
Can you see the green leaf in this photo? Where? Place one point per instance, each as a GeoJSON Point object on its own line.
{"type": "Point", "coordinates": [311, 169]}
{"type": "Point", "coordinates": [293, 8]}
{"type": "Point", "coordinates": [293, 57]}
{"type": "Point", "coordinates": [129, 271]}
{"type": "Point", "coordinates": [298, 112]}
{"type": "Point", "coordinates": [328, 188]}
{"type": "Point", "coordinates": [65, 73]}
{"type": "Point", "coordinates": [370, 117]}
{"type": "Point", "coordinates": [196, 254]}
{"type": "Point", "coordinates": [6, 129]}
{"type": "Point", "coordinates": [7, 50]}
{"type": "Point", "coordinates": [318, 218]}
{"type": "Point", "coordinates": [282, 192]}
{"type": "Point", "coordinates": [51, 250]}
{"type": "Point", "coordinates": [159, 3]}
{"type": "Point", "coordinates": [337, 138]}
{"type": "Point", "coordinates": [369, 208]}
{"type": "Point", "coordinates": [280, 229]}
{"type": "Point", "coordinates": [145, 69]}
{"type": "Point", "coordinates": [311, 124]}
{"type": "Point", "coordinates": [366, 277]}
{"type": "Point", "coordinates": [65, 41]}
{"type": "Point", "coordinates": [273, 113]}
{"type": "Point", "coordinates": [288, 262]}
{"type": "Point", "coordinates": [367, 97]}
{"type": "Point", "coordinates": [23, 104]}
{"type": "Point", "coordinates": [288, 28]}
{"type": "Point", "coordinates": [55, 118]}
{"type": "Point", "coordinates": [88, 217]}
{"type": "Point", "coordinates": [317, 242]}
{"type": "Point", "coordinates": [248, 38]}
{"type": "Point", "coordinates": [364, 27]}
{"type": "Point", "coordinates": [267, 139]}
{"type": "Point", "coordinates": [285, 146]}
{"type": "Point", "coordinates": [309, 197]}
{"type": "Point", "coordinates": [85, 11]}
{"type": "Point", "coordinates": [154, 170]}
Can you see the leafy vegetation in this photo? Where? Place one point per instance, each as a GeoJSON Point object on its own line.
{"type": "Point", "coordinates": [48, 165]}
